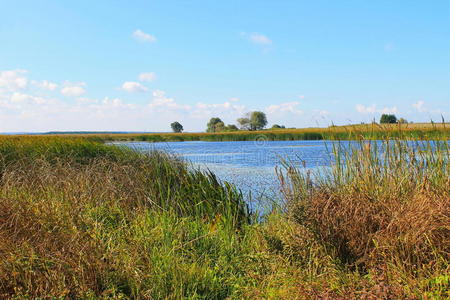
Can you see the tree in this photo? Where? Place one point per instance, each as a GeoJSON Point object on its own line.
{"type": "Point", "coordinates": [220, 126]}
{"type": "Point", "coordinates": [276, 126]}
{"type": "Point", "coordinates": [244, 123]}
{"type": "Point", "coordinates": [258, 120]}
{"type": "Point", "coordinates": [213, 125]}
{"type": "Point", "coordinates": [255, 120]}
{"type": "Point", "coordinates": [388, 119]}
{"type": "Point", "coordinates": [176, 127]}
{"type": "Point", "coordinates": [231, 127]}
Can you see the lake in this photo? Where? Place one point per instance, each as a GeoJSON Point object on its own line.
{"type": "Point", "coordinates": [250, 165]}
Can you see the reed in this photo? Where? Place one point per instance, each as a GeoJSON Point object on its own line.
{"type": "Point", "coordinates": [350, 132]}
{"type": "Point", "coordinates": [383, 208]}
{"type": "Point", "coordinates": [82, 219]}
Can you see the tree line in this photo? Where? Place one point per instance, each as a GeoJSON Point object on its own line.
{"type": "Point", "coordinates": [391, 119]}
{"type": "Point", "coordinates": [257, 120]}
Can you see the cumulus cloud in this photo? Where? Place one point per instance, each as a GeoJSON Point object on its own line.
{"type": "Point", "coordinates": [23, 109]}
{"type": "Point", "coordinates": [161, 101]}
{"type": "Point", "coordinates": [133, 87]}
{"type": "Point", "coordinates": [287, 107]}
{"type": "Point", "coordinates": [419, 106]}
{"type": "Point", "coordinates": [73, 89]}
{"type": "Point", "coordinates": [13, 80]}
{"type": "Point", "coordinates": [374, 109]}
{"type": "Point", "coordinates": [147, 77]}
{"type": "Point", "coordinates": [141, 36]}
{"type": "Point", "coordinates": [45, 85]}
{"type": "Point", "coordinates": [20, 98]}
{"type": "Point", "coordinates": [228, 111]}
{"type": "Point", "coordinates": [20, 111]}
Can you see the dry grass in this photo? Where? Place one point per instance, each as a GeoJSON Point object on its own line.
{"type": "Point", "coordinates": [382, 209]}
{"type": "Point", "coordinates": [80, 219]}
{"type": "Point", "coordinates": [368, 131]}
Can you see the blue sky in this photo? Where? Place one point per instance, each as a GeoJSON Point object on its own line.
{"type": "Point", "coordinates": [139, 65]}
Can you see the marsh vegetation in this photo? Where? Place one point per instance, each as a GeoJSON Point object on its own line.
{"type": "Point", "coordinates": [81, 219]}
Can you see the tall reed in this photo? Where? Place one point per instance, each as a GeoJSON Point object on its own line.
{"type": "Point", "coordinates": [383, 206]}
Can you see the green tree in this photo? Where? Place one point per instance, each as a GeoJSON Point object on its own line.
{"type": "Point", "coordinates": [214, 124]}
{"type": "Point", "coordinates": [231, 127]}
{"type": "Point", "coordinates": [244, 123]}
{"type": "Point", "coordinates": [258, 120]}
{"type": "Point", "coordinates": [255, 120]}
{"type": "Point", "coordinates": [220, 126]}
{"type": "Point", "coordinates": [388, 119]}
{"type": "Point", "coordinates": [176, 127]}
{"type": "Point", "coordinates": [276, 126]}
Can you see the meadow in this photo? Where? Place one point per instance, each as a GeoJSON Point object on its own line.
{"type": "Point", "coordinates": [82, 219]}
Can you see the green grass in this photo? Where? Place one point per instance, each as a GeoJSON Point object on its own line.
{"type": "Point", "coordinates": [81, 219]}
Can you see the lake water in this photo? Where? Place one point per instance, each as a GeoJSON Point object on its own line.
{"type": "Point", "coordinates": [250, 165]}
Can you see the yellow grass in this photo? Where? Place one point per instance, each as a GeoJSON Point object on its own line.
{"type": "Point", "coordinates": [351, 131]}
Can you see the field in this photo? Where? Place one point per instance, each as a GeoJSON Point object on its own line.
{"type": "Point", "coordinates": [81, 219]}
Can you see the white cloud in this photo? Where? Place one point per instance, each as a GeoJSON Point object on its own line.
{"type": "Point", "coordinates": [73, 89]}
{"type": "Point", "coordinates": [234, 99]}
{"type": "Point", "coordinates": [388, 110]}
{"type": "Point", "coordinates": [45, 85]}
{"type": "Point", "coordinates": [373, 109]}
{"type": "Point", "coordinates": [19, 98]}
{"type": "Point", "coordinates": [115, 103]}
{"type": "Point", "coordinates": [227, 111]}
{"type": "Point", "coordinates": [301, 97]}
{"type": "Point", "coordinates": [160, 101]}
{"type": "Point", "coordinates": [258, 38]}
{"type": "Point", "coordinates": [287, 107]}
{"type": "Point", "coordinates": [141, 36]}
{"type": "Point", "coordinates": [84, 100]}
{"type": "Point", "coordinates": [147, 77]}
{"type": "Point", "coordinates": [133, 87]}
{"type": "Point", "coordinates": [419, 106]}
{"type": "Point", "coordinates": [26, 111]}
{"type": "Point", "coordinates": [365, 109]}
{"type": "Point", "coordinates": [13, 80]}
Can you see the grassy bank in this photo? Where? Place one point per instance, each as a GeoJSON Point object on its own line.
{"type": "Point", "coordinates": [350, 132]}
{"type": "Point", "coordinates": [81, 219]}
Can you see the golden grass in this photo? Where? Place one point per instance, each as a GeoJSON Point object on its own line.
{"type": "Point", "coordinates": [352, 132]}
{"type": "Point", "coordinates": [383, 209]}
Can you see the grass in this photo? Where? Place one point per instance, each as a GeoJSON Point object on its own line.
{"type": "Point", "coordinates": [81, 219]}
{"type": "Point", "coordinates": [349, 132]}
{"type": "Point", "coordinates": [383, 209]}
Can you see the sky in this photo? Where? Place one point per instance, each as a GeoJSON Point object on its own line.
{"type": "Point", "coordinates": [140, 65]}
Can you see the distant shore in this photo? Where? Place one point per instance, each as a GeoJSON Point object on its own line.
{"type": "Point", "coordinates": [347, 132]}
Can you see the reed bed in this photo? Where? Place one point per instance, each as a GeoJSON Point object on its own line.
{"type": "Point", "coordinates": [383, 209]}
{"type": "Point", "coordinates": [349, 132]}
{"type": "Point", "coordinates": [81, 219]}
